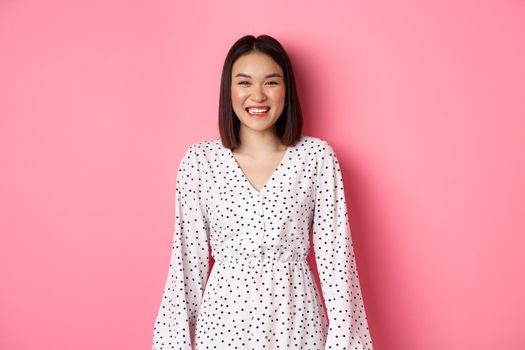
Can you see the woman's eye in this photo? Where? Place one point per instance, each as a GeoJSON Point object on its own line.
{"type": "Point", "coordinates": [244, 82]}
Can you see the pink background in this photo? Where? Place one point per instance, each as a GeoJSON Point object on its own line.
{"type": "Point", "coordinates": [423, 102]}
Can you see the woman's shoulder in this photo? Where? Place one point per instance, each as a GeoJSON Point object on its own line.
{"type": "Point", "coordinates": [314, 141]}
{"type": "Point", "coordinates": [203, 143]}
{"type": "Point", "coordinates": [200, 145]}
{"type": "Point", "coordinates": [205, 148]}
{"type": "Point", "coordinates": [317, 144]}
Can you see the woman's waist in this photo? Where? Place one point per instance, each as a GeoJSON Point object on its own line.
{"type": "Point", "coordinates": [262, 255]}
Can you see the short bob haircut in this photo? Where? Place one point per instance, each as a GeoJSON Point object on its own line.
{"type": "Point", "coordinates": [289, 124]}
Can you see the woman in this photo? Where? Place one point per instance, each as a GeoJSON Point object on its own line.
{"type": "Point", "coordinates": [252, 196]}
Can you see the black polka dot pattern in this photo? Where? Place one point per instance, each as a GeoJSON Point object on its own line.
{"type": "Point", "coordinates": [260, 293]}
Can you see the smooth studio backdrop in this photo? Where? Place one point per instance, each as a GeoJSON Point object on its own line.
{"type": "Point", "coordinates": [421, 100]}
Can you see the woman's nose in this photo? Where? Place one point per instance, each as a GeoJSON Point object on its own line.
{"type": "Point", "coordinates": [258, 93]}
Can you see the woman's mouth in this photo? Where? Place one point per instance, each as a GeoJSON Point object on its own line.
{"type": "Point", "coordinates": [257, 112]}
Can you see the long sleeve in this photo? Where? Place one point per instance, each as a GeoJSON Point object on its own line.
{"type": "Point", "coordinates": [188, 270]}
{"type": "Point", "coordinates": [334, 254]}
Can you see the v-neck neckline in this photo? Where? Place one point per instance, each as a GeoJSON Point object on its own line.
{"type": "Point", "coordinates": [272, 176]}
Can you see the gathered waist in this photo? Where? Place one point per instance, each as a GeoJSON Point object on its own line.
{"type": "Point", "coordinates": [267, 256]}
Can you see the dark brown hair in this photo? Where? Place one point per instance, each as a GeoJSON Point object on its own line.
{"type": "Point", "coordinates": [289, 125]}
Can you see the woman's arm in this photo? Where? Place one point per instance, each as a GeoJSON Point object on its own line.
{"type": "Point", "coordinates": [188, 271]}
{"type": "Point", "coordinates": [348, 327]}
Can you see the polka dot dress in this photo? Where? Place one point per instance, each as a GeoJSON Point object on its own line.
{"type": "Point", "coordinates": [260, 293]}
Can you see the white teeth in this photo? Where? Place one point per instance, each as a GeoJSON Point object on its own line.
{"type": "Point", "coordinates": [257, 110]}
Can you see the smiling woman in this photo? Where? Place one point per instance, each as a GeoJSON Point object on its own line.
{"type": "Point", "coordinates": [253, 196]}
{"type": "Point", "coordinates": [258, 90]}
{"type": "Point", "coordinates": [257, 72]}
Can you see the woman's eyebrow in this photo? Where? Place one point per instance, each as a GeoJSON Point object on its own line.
{"type": "Point", "coordinates": [268, 76]}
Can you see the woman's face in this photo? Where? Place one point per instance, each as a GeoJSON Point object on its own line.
{"type": "Point", "coordinates": [257, 81]}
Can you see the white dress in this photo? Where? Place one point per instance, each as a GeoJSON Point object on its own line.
{"type": "Point", "coordinates": [260, 293]}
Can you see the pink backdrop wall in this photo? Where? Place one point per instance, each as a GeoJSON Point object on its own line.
{"type": "Point", "coordinates": [422, 100]}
